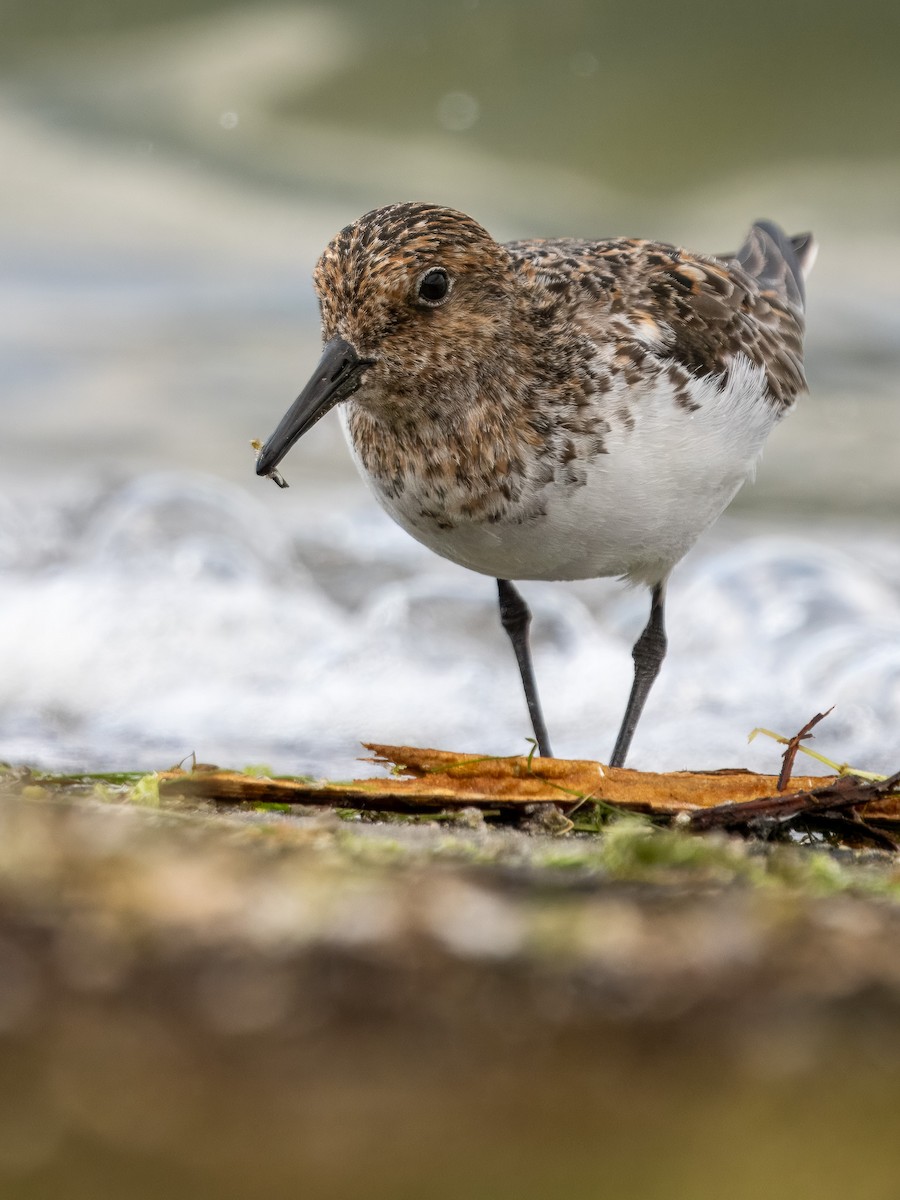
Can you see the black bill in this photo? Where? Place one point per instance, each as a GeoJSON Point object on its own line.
{"type": "Point", "coordinates": [337, 376]}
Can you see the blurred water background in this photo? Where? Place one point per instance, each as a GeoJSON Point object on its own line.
{"type": "Point", "coordinates": [171, 173]}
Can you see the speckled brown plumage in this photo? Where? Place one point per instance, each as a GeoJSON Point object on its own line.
{"type": "Point", "coordinates": [514, 384]}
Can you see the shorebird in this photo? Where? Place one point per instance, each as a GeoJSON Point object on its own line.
{"type": "Point", "coordinates": [553, 409]}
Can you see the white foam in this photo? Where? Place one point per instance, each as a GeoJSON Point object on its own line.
{"type": "Point", "coordinates": [176, 615]}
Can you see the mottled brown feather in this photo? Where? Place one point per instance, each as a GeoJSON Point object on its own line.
{"type": "Point", "coordinates": [711, 309]}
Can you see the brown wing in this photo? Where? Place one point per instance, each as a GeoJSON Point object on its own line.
{"type": "Point", "coordinates": [709, 310]}
{"type": "Point", "coordinates": [752, 305]}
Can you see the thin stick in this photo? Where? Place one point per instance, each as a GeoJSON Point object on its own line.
{"type": "Point", "coordinates": [787, 764]}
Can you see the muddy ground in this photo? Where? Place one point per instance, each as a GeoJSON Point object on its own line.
{"type": "Point", "coordinates": [207, 1004]}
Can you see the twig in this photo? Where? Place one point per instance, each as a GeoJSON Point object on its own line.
{"type": "Point", "coordinates": [838, 768]}
{"type": "Point", "coordinates": [847, 792]}
{"type": "Point", "coordinates": [793, 746]}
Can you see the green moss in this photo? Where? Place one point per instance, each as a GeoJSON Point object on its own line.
{"type": "Point", "coordinates": [633, 845]}
{"type": "Point", "coordinates": [264, 771]}
{"type": "Point", "coordinates": [89, 778]}
{"type": "Point", "coordinates": [33, 791]}
{"type": "Point", "coordinates": [258, 771]}
{"type": "Point", "coordinates": [146, 791]}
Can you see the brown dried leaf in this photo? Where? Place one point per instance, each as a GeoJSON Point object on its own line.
{"type": "Point", "coordinates": [435, 779]}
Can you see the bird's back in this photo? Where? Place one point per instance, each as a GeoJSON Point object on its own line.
{"type": "Point", "coordinates": [699, 312]}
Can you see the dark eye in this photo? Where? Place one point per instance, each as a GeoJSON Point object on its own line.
{"type": "Point", "coordinates": [434, 286]}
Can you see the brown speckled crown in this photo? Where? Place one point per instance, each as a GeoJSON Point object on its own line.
{"type": "Point", "coordinates": [368, 270]}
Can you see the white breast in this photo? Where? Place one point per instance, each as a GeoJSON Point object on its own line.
{"type": "Point", "coordinates": [645, 502]}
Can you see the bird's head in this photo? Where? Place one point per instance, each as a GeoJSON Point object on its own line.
{"type": "Point", "coordinates": [415, 301]}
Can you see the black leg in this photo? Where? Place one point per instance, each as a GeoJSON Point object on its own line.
{"type": "Point", "coordinates": [648, 653]}
{"type": "Point", "coordinates": [516, 618]}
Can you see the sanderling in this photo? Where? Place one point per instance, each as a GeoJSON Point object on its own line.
{"type": "Point", "coordinates": [554, 409]}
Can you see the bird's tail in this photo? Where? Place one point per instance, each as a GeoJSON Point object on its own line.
{"type": "Point", "coordinates": [777, 262]}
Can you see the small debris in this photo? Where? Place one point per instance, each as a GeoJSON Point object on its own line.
{"type": "Point", "coordinates": [470, 817]}
{"type": "Point", "coordinates": [546, 818]}
{"type": "Point", "coordinates": [274, 475]}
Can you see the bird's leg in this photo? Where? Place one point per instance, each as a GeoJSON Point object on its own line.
{"type": "Point", "coordinates": [648, 653]}
{"type": "Point", "coordinates": [516, 618]}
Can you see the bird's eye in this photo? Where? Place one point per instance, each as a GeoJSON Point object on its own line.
{"type": "Point", "coordinates": [434, 287]}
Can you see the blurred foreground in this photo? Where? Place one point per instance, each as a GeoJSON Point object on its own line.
{"type": "Point", "coordinates": [215, 1007]}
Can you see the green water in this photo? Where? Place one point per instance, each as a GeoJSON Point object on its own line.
{"type": "Point", "coordinates": [654, 96]}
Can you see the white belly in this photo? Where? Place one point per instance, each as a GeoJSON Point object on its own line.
{"type": "Point", "coordinates": [644, 503]}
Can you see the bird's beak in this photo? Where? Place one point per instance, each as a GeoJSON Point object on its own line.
{"type": "Point", "coordinates": [337, 376]}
